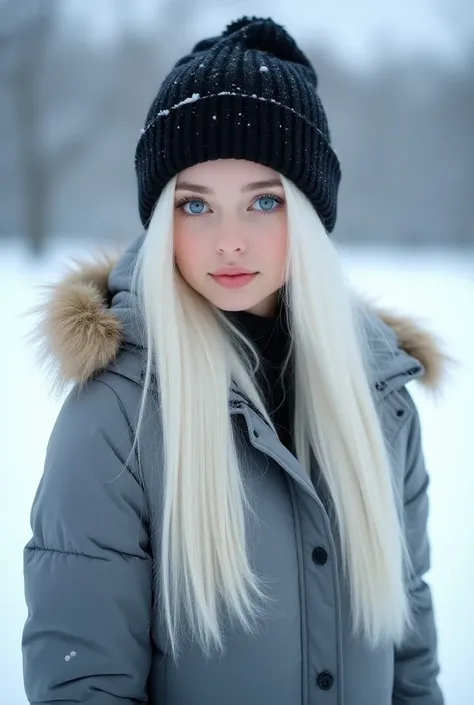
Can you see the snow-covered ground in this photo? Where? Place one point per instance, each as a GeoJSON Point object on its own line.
{"type": "Point", "coordinates": [435, 286]}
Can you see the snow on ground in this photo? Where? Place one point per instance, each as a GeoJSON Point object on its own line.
{"type": "Point", "coordinates": [437, 287]}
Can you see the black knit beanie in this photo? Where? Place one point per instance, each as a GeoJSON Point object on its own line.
{"type": "Point", "coordinates": [247, 94]}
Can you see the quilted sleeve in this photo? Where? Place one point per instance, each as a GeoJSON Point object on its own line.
{"type": "Point", "coordinates": [87, 567]}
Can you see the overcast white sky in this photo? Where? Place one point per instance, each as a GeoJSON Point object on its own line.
{"type": "Point", "coordinates": [356, 28]}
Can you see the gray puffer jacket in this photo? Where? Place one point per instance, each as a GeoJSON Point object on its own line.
{"type": "Point", "coordinates": [93, 633]}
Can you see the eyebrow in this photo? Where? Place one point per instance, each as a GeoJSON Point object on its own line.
{"type": "Point", "coordinates": [254, 186]}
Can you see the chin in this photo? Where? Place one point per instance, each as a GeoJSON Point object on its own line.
{"type": "Point", "coordinates": [236, 305]}
{"type": "Point", "coordinates": [260, 306]}
{"type": "Point", "coordinates": [240, 300]}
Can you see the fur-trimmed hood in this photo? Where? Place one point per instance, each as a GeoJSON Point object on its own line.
{"type": "Point", "coordinates": [88, 315]}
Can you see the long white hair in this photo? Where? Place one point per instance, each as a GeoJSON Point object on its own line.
{"type": "Point", "coordinates": [193, 355]}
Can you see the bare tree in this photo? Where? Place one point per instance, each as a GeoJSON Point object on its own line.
{"type": "Point", "coordinates": [30, 63]}
{"type": "Point", "coordinates": [25, 36]}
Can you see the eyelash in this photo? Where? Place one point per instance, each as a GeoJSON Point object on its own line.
{"type": "Point", "coordinates": [190, 199]}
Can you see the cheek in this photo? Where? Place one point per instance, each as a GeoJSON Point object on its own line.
{"type": "Point", "coordinates": [185, 246]}
{"type": "Point", "coordinates": [275, 243]}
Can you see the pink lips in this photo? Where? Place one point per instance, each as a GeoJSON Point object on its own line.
{"type": "Point", "coordinates": [233, 277]}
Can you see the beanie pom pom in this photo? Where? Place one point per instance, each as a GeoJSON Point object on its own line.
{"type": "Point", "coordinates": [265, 35]}
{"type": "Point", "coordinates": [239, 24]}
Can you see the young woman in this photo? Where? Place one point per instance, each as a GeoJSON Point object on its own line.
{"type": "Point", "coordinates": [234, 502]}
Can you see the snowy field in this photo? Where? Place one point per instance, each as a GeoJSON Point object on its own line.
{"type": "Point", "coordinates": [438, 287]}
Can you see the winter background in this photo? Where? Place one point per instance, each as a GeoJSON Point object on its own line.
{"type": "Point", "coordinates": [76, 78]}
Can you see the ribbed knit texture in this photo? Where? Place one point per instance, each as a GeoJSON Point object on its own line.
{"type": "Point", "coordinates": [248, 94]}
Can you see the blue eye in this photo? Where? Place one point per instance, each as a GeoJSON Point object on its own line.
{"type": "Point", "coordinates": [266, 204]}
{"type": "Point", "coordinates": [194, 207]}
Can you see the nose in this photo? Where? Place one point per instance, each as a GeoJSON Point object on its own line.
{"type": "Point", "coordinates": [229, 243]}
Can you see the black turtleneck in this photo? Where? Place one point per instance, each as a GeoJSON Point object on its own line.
{"type": "Point", "coordinates": [271, 337]}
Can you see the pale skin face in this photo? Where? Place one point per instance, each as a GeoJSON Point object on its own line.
{"type": "Point", "coordinates": [231, 212]}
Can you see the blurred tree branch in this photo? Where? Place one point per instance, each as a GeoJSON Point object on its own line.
{"type": "Point", "coordinates": [28, 32]}
{"type": "Point", "coordinates": [24, 39]}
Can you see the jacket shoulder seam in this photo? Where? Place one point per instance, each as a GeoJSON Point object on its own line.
{"type": "Point", "coordinates": [130, 428]}
{"type": "Point", "coordinates": [119, 401]}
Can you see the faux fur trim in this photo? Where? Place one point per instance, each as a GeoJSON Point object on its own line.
{"type": "Point", "coordinates": [418, 342]}
{"type": "Point", "coordinates": [77, 334]}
